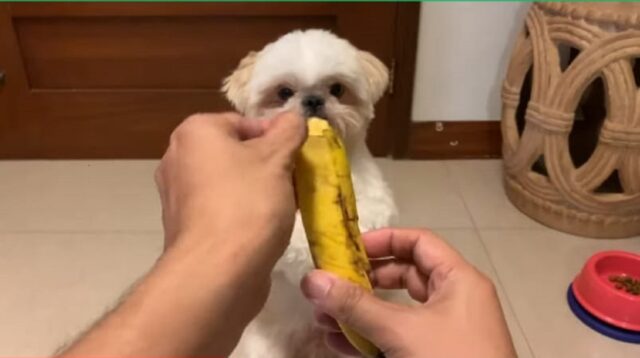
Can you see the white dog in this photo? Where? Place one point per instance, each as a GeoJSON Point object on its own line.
{"type": "Point", "coordinates": [318, 74]}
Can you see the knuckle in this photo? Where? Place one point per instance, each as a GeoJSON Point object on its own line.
{"type": "Point", "coordinates": [351, 298]}
{"type": "Point", "coordinates": [488, 284]}
{"type": "Point", "coordinates": [191, 122]}
{"type": "Point", "coordinates": [186, 128]}
{"type": "Point", "coordinates": [160, 174]}
{"type": "Point", "coordinates": [424, 233]}
{"type": "Point", "coordinates": [482, 282]}
{"type": "Point", "coordinates": [198, 117]}
{"type": "Point", "coordinates": [177, 134]}
{"type": "Point", "coordinates": [394, 331]}
{"type": "Point", "coordinates": [157, 176]}
{"type": "Point", "coordinates": [231, 115]}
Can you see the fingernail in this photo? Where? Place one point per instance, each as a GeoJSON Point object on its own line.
{"type": "Point", "coordinates": [317, 286]}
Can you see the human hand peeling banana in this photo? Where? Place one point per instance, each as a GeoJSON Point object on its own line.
{"type": "Point", "coordinates": [327, 204]}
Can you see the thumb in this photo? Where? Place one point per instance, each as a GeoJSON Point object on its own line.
{"type": "Point", "coordinates": [349, 304]}
{"type": "Point", "coordinates": [284, 135]}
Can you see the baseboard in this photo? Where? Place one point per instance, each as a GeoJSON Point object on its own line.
{"type": "Point", "coordinates": [454, 140]}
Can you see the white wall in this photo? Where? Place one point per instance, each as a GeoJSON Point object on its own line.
{"type": "Point", "coordinates": [463, 51]}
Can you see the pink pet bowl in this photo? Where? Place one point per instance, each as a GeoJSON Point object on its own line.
{"type": "Point", "coordinates": [597, 293]}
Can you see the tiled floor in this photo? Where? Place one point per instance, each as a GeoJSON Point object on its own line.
{"type": "Point", "coordinates": [74, 235]}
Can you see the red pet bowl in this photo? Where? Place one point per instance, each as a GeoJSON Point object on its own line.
{"type": "Point", "coordinates": [596, 293]}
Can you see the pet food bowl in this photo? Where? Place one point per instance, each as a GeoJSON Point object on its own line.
{"type": "Point", "coordinates": [600, 326]}
{"type": "Point", "coordinates": [598, 295]}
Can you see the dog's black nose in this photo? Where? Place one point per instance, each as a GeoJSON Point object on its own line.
{"type": "Point", "coordinates": [313, 104]}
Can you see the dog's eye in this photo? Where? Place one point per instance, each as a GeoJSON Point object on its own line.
{"type": "Point", "coordinates": [285, 93]}
{"type": "Point", "coordinates": [336, 90]}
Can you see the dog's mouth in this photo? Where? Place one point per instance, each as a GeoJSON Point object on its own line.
{"type": "Point", "coordinates": [337, 127]}
{"type": "Point", "coordinates": [323, 116]}
{"type": "Point", "coordinates": [318, 113]}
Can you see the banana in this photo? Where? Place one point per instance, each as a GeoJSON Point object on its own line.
{"type": "Point", "coordinates": [327, 204]}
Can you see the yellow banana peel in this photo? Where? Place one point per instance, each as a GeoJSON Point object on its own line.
{"type": "Point", "coordinates": [328, 207]}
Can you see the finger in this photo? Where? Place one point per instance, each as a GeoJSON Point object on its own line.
{"type": "Point", "coordinates": [159, 180]}
{"type": "Point", "coordinates": [339, 343]}
{"type": "Point", "coordinates": [158, 176]}
{"type": "Point", "coordinates": [225, 125]}
{"type": "Point", "coordinates": [234, 125]}
{"type": "Point", "coordinates": [229, 123]}
{"type": "Point", "coordinates": [284, 136]}
{"type": "Point", "coordinates": [392, 274]}
{"type": "Point", "coordinates": [326, 322]}
{"type": "Point", "coordinates": [350, 304]}
{"type": "Point", "coordinates": [251, 128]}
{"type": "Point", "coordinates": [421, 247]}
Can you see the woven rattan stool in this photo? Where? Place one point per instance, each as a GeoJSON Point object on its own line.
{"type": "Point", "coordinates": [565, 195]}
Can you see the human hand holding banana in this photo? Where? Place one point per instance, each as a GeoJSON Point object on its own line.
{"type": "Point", "coordinates": [225, 184]}
{"type": "Point", "coordinates": [223, 172]}
{"type": "Point", "coordinates": [226, 188]}
{"type": "Point", "coordinates": [459, 314]}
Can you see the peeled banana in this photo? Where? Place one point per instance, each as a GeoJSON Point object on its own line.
{"type": "Point", "coordinates": [328, 207]}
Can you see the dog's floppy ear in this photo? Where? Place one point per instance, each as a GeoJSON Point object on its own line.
{"type": "Point", "coordinates": [235, 86]}
{"type": "Point", "coordinates": [377, 74]}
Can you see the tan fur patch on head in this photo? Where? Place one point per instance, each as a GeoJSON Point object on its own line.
{"type": "Point", "coordinates": [377, 74]}
{"type": "Point", "coordinates": [235, 86]}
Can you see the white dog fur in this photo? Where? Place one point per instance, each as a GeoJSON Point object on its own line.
{"type": "Point", "coordinates": [311, 63]}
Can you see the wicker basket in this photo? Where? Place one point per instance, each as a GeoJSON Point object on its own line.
{"type": "Point", "coordinates": [564, 195]}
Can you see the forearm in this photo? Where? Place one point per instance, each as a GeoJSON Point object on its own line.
{"type": "Point", "coordinates": [189, 304]}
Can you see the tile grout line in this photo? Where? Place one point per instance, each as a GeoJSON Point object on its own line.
{"type": "Point", "coordinates": [160, 231]}
{"type": "Point", "coordinates": [458, 192]}
{"type": "Point", "coordinates": [476, 230]}
{"type": "Point", "coordinates": [509, 303]}
{"type": "Point", "coordinates": [76, 232]}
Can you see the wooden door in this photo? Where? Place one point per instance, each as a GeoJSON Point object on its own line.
{"type": "Point", "coordinates": [99, 80]}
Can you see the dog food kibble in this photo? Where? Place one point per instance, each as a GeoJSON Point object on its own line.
{"type": "Point", "coordinates": [629, 284]}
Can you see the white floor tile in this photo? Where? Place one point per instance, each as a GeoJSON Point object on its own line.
{"type": "Point", "coordinates": [78, 196]}
{"type": "Point", "coordinates": [54, 285]}
{"type": "Point", "coordinates": [75, 234]}
{"type": "Point", "coordinates": [425, 194]}
{"type": "Point", "coordinates": [480, 183]}
{"type": "Point", "coordinates": [470, 246]}
{"type": "Point", "coordinates": [536, 268]}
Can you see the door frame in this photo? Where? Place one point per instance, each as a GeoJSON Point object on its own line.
{"type": "Point", "coordinates": [401, 100]}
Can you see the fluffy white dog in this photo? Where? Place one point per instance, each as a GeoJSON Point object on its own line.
{"type": "Point", "coordinates": [318, 74]}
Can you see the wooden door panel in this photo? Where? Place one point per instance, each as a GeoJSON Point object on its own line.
{"type": "Point", "coordinates": [112, 80]}
{"type": "Point", "coordinates": [144, 53]}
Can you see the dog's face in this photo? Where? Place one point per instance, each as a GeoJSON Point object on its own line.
{"type": "Point", "coordinates": [312, 72]}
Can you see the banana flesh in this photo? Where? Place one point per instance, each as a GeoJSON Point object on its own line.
{"type": "Point", "coordinates": [328, 207]}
